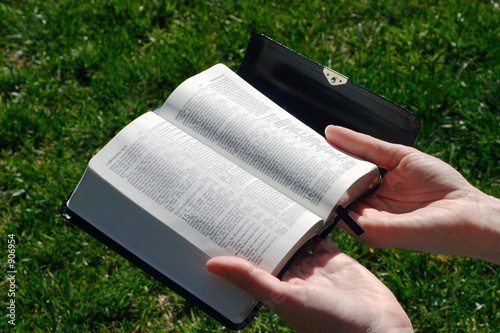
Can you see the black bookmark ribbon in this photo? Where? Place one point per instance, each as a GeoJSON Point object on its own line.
{"type": "Point", "coordinates": [349, 220]}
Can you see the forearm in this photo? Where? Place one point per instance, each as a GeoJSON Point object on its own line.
{"type": "Point", "coordinates": [489, 245]}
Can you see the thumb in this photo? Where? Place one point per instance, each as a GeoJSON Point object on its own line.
{"type": "Point", "coordinates": [259, 283]}
{"type": "Point", "coordinates": [381, 153]}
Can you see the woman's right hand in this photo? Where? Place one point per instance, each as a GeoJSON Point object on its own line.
{"type": "Point", "coordinates": [423, 203]}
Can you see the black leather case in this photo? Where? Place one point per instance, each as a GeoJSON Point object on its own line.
{"type": "Point", "coordinates": [319, 96]}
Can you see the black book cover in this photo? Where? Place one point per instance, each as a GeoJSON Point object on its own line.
{"type": "Point", "coordinates": [319, 96]}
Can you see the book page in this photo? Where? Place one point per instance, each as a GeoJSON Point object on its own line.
{"type": "Point", "coordinates": [233, 118]}
{"type": "Point", "coordinates": [175, 203]}
{"type": "Point", "coordinates": [202, 196]}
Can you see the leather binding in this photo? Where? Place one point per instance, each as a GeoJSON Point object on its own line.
{"type": "Point", "coordinates": [319, 96]}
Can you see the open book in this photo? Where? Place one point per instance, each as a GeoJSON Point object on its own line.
{"type": "Point", "coordinates": [220, 169]}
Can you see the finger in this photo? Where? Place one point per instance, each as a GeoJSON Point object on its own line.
{"type": "Point", "coordinates": [248, 277]}
{"type": "Point", "coordinates": [366, 147]}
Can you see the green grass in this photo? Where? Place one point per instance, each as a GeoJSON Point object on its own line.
{"type": "Point", "coordinates": [72, 73]}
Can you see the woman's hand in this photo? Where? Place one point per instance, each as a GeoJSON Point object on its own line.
{"type": "Point", "coordinates": [423, 203]}
{"type": "Point", "coordinates": [326, 291]}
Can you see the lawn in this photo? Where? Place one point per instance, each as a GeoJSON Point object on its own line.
{"type": "Point", "coordinates": [72, 73]}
